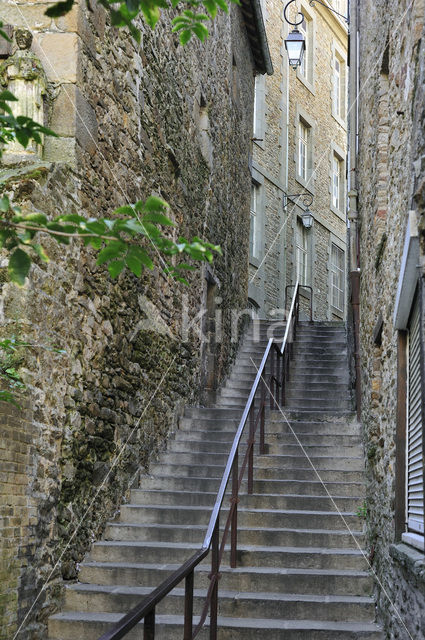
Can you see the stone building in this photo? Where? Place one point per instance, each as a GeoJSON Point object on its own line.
{"type": "Point", "coordinates": [389, 178]}
{"type": "Point", "coordinates": [300, 145]}
{"type": "Point", "coordinates": [133, 120]}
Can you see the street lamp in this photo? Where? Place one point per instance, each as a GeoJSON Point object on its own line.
{"type": "Point", "coordinates": [307, 219]}
{"type": "Point", "coordinates": [295, 42]}
{"type": "Point", "coordinates": [307, 200]}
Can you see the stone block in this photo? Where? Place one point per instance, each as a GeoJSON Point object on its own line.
{"type": "Point", "coordinates": [60, 150]}
{"type": "Point", "coordinates": [73, 116]}
{"type": "Point", "coordinates": [59, 54]}
{"type": "Point", "coordinates": [26, 15]}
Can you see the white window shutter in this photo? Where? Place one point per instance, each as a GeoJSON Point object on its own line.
{"type": "Point", "coordinates": [415, 461]}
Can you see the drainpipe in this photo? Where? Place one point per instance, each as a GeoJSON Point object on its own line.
{"type": "Point", "coordinates": [354, 249]}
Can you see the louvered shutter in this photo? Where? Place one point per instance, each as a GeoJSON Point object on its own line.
{"type": "Point", "coordinates": [415, 485]}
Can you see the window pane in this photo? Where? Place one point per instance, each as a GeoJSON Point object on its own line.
{"type": "Point", "coordinates": [301, 253]}
{"type": "Point", "coordinates": [337, 277]}
{"type": "Point", "coordinates": [253, 229]}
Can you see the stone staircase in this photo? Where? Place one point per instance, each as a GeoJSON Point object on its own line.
{"type": "Point", "coordinates": [301, 574]}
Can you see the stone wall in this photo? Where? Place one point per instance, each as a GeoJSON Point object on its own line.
{"type": "Point", "coordinates": [391, 133]}
{"type": "Point", "coordinates": [94, 417]}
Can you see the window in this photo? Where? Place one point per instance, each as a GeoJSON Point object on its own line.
{"type": "Point", "coordinates": [303, 149]}
{"type": "Point", "coordinates": [301, 253]}
{"type": "Point", "coordinates": [259, 110]}
{"type": "Point", "coordinates": [336, 182]}
{"type": "Point", "coordinates": [339, 86]}
{"type": "Point", "coordinates": [254, 221]}
{"type": "Point", "coordinates": [337, 278]}
{"type": "Point", "coordinates": [305, 70]}
{"type": "Point", "coordinates": [414, 458]}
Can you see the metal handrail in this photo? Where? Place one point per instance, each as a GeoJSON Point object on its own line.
{"type": "Point", "coordinates": [146, 609]}
{"type": "Point", "coordinates": [301, 286]}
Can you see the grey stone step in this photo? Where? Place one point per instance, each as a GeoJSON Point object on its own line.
{"type": "Point", "coordinates": [282, 536]}
{"type": "Point", "coordinates": [300, 472]}
{"type": "Point", "coordinates": [309, 439]}
{"type": "Point", "coordinates": [308, 402]}
{"type": "Point", "coordinates": [71, 625]}
{"type": "Point", "coordinates": [277, 461]}
{"type": "Point", "coordinates": [85, 597]}
{"type": "Point", "coordinates": [292, 487]}
{"type": "Point", "coordinates": [305, 581]}
{"type": "Point", "coordinates": [272, 518]}
{"type": "Point", "coordinates": [294, 447]}
{"type": "Point", "coordinates": [254, 501]}
{"type": "Point", "coordinates": [247, 556]}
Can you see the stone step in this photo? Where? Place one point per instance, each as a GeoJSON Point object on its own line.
{"type": "Point", "coordinates": [273, 579]}
{"type": "Point", "coordinates": [86, 597]}
{"type": "Point", "coordinates": [282, 536]}
{"type": "Point", "coordinates": [294, 447]}
{"type": "Point", "coordinates": [254, 501]}
{"type": "Point", "coordinates": [223, 439]}
{"type": "Point", "coordinates": [277, 461]}
{"type": "Point", "coordinates": [276, 424]}
{"type": "Point", "coordinates": [292, 487]}
{"type": "Point", "coordinates": [272, 518]}
{"type": "Point", "coordinates": [71, 625]}
{"type": "Point", "coordinates": [247, 556]}
{"type": "Point", "coordinates": [300, 472]}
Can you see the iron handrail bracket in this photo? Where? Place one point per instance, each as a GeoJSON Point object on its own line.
{"type": "Point", "coordinates": [146, 609]}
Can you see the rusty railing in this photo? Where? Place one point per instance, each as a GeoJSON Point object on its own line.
{"type": "Point", "coordinates": [270, 380]}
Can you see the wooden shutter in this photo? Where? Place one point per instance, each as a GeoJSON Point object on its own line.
{"type": "Point", "coordinates": [415, 462]}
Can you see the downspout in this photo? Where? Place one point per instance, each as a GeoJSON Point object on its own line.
{"type": "Point", "coordinates": [354, 249]}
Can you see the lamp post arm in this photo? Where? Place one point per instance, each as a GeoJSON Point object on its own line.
{"type": "Point", "coordinates": [285, 15]}
{"type": "Point", "coordinates": [313, 2]}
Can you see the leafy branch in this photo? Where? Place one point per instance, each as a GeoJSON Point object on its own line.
{"type": "Point", "coordinates": [119, 240]}
{"type": "Point", "coordinates": [124, 14]}
{"type": "Point", "coordinates": [20, 128]}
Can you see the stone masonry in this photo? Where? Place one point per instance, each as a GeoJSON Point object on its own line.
{"type": "Point", "coordinates": [390, 182]}
{"type": "Point", "coordinates": [130, 123]}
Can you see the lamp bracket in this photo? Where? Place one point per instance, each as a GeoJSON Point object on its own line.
{"type": "Point", "coordinates": [294, 24]}
{"type": "Point", "coordinates": [313, 2]}
{"type": "Point", "coordinates": [306, 198]}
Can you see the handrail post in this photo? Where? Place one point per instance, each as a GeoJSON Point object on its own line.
{"type": "Point", "coordinates": [215, 561]}
{"type": "Point", "coordinates": [149, 625]}
{"type": "Point", "coordinates": [263, 416]}
{"type": "Point", "coordinates": [188, 606]}
{"type": "Point", "coordinates": [234, 504]}
{"type": "Point", "coordinates": [271, 377]}
{"type": "Point", "coordinates": [251, 449]}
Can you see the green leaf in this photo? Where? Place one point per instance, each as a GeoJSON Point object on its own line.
{"type": "Point", "coordinates": [112, 250]}
{"type": "Point", "coordinates": [7, 95]}
{"type": "Point", "coordinates": [141, 255]}
{"type": "Point", "coordinates": [41, 253]}
{"type": "Point", "coordinates": [185, 36]}
{"type": "Point", "coordinates": [4, 204]}
{"type": "Point", "coordinates": [158, 218]}
{"type": "Point", "coordinates": [19, 266]}
{"type": "Point", "coordinates": [134, 264]}
{"type": "Point", "coordinates": [201, 31]}
{"type": "Point", "coordinates": [115, 268]}
{"type": "Point", "coordinates": [59, 9]}
{"type": "Point", "coordinates": [211, 7]}
{"type": "Point", "coordinates": [4, 236]}
{"type": "Point", "coordinates": [223, 4]}
{"type": "Point", "coordinates": [153, 203]}
{"type": "Point", "coordinates": [125, 210]}
{"type": "Point", "coordinates": [71, 217]}
{"type": "Point", "coordinates": [96, 226]}
{"type": "Point", "coordinates": [22, 137]}
{"type": "Point", "coordinates": [7, 396]}
{"type": "Point", "coordinates": [39, 218]}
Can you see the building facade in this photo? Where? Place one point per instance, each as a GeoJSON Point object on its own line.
{"type": "Point", "coordinates": [389, 179]}
{"type": "Point", "coordinates": [300, 147]}
{"type": "Point", "coordinates": [133, 121]}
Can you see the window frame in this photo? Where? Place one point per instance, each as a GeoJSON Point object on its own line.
{"type": "Point", "coordinates": [339, 89]}
{"type": "Point", "coordinates": [302, 118]}
{"type": "Point", "coordinates": [340, 273]}
{"type": "Point", "coordinates": [306, 73]}
{"type": "Point", "coordinates": [340, 208]}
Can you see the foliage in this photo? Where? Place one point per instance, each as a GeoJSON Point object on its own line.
{"type": "Point", "coordinates": [362, 510]}
{"type": "Point", "coordinates": [190, 21]}
{"type": "Point", "coordinates": [20, 128]}
{"type": "Point", "coordinates": [117, 239]}
{"type": "Point", "coordinates": [11, 358]}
